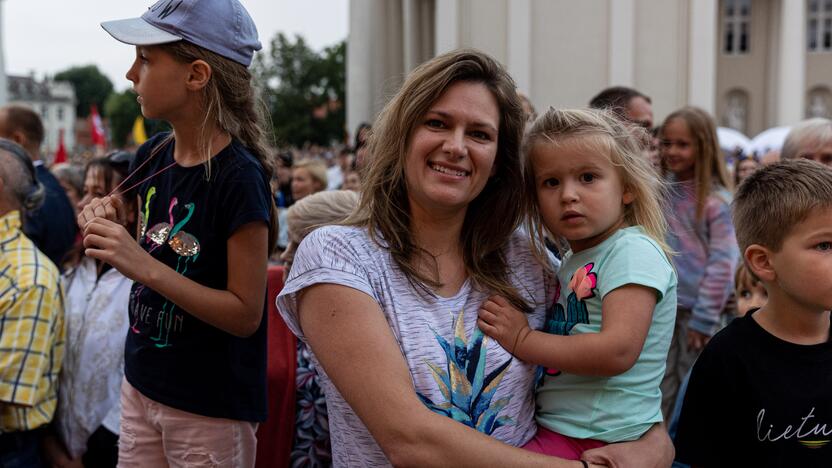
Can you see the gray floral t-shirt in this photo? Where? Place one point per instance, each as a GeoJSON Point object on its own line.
{"type": "Point", "coordinates": [457, 371]}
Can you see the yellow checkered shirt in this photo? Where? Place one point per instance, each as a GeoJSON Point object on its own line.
{"type": "Point", "coordinates": [31, 330]}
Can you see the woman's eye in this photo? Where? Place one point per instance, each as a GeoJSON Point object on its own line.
{"type": "Point", "coordinates": [824, 246]}
{"type": "Point", "coordinates": [480, 135]}
{"type": "Point", "coordinates": [587, 177]}
{"type": "Point", "coordinates": [435, 123]}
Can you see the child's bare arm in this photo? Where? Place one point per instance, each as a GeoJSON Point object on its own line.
{"type": "Point", "coordinates": [627, 312]}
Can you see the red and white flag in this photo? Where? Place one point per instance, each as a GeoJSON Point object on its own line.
{"type": "Point", "coordinates": [60, 153]}
{"type": "Point", "coordinates": [97, 128]}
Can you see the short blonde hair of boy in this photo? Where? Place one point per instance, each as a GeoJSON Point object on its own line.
{"type": "Point", "coordinates": [811, 133]}
{"type": "Point", "coordinates": [600, 131]}
{"type": "Point", "coordinates": [314, 211]}
{"type": "Point", "coordinates": [775, 198]}
{"type": "Point", "coordinates": [316, 169]}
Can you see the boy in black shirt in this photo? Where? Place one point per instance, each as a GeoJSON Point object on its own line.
{"type": "Point", "coordinates": [760, 393]}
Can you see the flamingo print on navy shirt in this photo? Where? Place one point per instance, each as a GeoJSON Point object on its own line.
{"type": "Point", "coordinates": [171, 234]}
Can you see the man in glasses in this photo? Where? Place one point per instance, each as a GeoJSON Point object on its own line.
{"type": "Point", "coordinates": [627, 103]}
{"type": "Point", "coordinates": [52, 228]}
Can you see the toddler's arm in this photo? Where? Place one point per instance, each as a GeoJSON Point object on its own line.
{"type": "Point", "coordinates": [627, 312]}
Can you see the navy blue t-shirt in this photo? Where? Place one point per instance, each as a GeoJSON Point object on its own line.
{"type": "Point", "coordinates": [186, 220]}
{"type": "Point", "coordinates": [52, 227]}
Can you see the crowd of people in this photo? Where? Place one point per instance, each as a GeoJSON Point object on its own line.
{"type": "Point", "coordinates": [471, 283]}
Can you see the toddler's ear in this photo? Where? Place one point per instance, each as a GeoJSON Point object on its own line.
{"type": "Point", "coordinates": [758, 259]}
{"type": "Point", "coordinates": [627, 197]}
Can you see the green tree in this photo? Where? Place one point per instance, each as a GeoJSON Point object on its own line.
{"type": "Point", "coordinates": [303, 90]}
{"type": "Point", "coordinates": [122, 110]}
{"type": "Point", "coordinates": [91, 87]}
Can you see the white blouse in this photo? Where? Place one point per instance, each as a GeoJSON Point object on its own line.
{"type": "Point", "coordinates": [93, 368]}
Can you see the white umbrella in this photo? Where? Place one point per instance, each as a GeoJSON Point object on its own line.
{"type": "Point", "coordinates": [767, 140]}
{"type": "Point", "coordinates": [731, 140]}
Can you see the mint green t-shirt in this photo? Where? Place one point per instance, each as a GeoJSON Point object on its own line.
{"type": "Point", "coordinates": [625, 406]}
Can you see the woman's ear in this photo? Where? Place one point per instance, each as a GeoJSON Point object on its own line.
{"type": "Point", "coordinates": [198, 75]}
{"type": "Point", "coordinates": [627, 197]}
{"type": "Point", "coordinates": [758, 258]}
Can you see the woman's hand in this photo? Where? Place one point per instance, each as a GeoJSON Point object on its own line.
{"type": "Point", "coordinates": [110, 242]}
{"type": "Point", "coordinates": [696, 340]}
{"type": "Point", "coordinates": [109, 207]}
{"type": "Point", "coordinates": [499, 320]}
{"type": "Point", "coordinates": [653, 450]}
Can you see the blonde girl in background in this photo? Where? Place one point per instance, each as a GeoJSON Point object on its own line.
{"type": "Point", "coordinates": [195, 355]}
{"type": "Point", "coordinates": [605, 341]}
{"type": "Point", "coordinates": [700, 232]}
{"type": "Point", "coordinates": [311, 446]}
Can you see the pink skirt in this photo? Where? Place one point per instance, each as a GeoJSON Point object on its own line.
{"type": "Point", "coordinates": [557, 445]}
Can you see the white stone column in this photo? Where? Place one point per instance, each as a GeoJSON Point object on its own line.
{"type": "Point", "coordinates": [359, 63]}
{"type": "Point", "coordinates": [4, 85]}
{"type": "Point", "coordinates": [702, 58]}
{"type": "Point", "coordinates": [791, 73]}
{"type": "Point", "coordinates": [622, 43]}
{"type": "Point", "coordinates": [447, 26]}
{"type": "Point", "coordinates": [520, 43]}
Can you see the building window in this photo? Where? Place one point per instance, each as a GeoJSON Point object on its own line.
{"type": "Point", "coordinates": [60, 114]}
{"type": "Point", "coordinates": [44, 112]}
{"type": "Point", "coordinates": [819, 26]}
{"type": "Point", "coordinates": [736, 19]}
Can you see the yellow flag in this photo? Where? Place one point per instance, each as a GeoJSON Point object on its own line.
{"type": "Point", "coordinates": [139, 135]}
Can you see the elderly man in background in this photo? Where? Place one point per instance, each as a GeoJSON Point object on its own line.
{"type": "Point", "coordinates": [31, 317]}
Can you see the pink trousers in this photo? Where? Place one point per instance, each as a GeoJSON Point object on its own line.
{"type": "Point", "coordinates": [557, 445]}
{"type": "Point", "coordinates": [156, 435]}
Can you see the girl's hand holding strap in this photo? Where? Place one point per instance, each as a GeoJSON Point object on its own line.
{"type": "Point", "coordinates": [109, 207]}
{"type": "Point", "coordinates": [237, 310]}
{"type": "Point", "coordinates": [353, 342]}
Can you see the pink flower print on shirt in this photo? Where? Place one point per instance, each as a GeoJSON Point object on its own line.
{"type": "Point", "coordinates": [583, 282]}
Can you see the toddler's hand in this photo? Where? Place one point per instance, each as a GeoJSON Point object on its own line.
{"type": "Point", "coordinates": [499, 320]}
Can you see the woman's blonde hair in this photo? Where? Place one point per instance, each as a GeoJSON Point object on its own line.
{"type": "Point", "coordinates": [314, 211]}
{"type": "Point", "coordinates": [710, 168]}
{"type": "Point", "coordinates": [229, 100]}
{"type": "Point", "coordinates": [316, 169]}
{"type": "Point", "coordinates": [491, 217]}
{"type": "Point", "coordinates": [600, 132]}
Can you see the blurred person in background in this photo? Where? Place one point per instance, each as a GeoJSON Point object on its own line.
{"type": "Point", "coordinates": [86, 427]}
{"type": "Point", "coordinates": [810, 139]}
{"type": "Point", "coordinates": [71, 178]}
{"type": "Point", "coordinates": [308, 177]}
{"type": "Point", "coordinates": [311, 445]}
{"type": "Point", "coordinates": [362, 134]}
{"type": "Point", "coordinates": [627, 103]}
{"type": "Point", "coordinates": [283, 194]}
{"type": "Point", "coordinates": [335, 174]}
{"type": "Point", "coordinates": [52, 227]}
{"type": "Point", "coordinates": [352, 181]}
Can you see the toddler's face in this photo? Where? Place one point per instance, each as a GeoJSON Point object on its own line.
{"type": "Point", "coordinates": [750, 297]}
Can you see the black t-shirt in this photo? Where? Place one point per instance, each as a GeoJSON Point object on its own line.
{"type": "Point", "coordinates": [171, 356]}
{"type": "Point", "coordinates": [756, 400]}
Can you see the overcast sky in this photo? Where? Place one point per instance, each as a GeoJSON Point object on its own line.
{"type": "Point", "coordinates": [46, 36]}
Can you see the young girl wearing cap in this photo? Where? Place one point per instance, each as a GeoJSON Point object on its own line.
{"type": "Point", "coordinates": [195, 352]}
